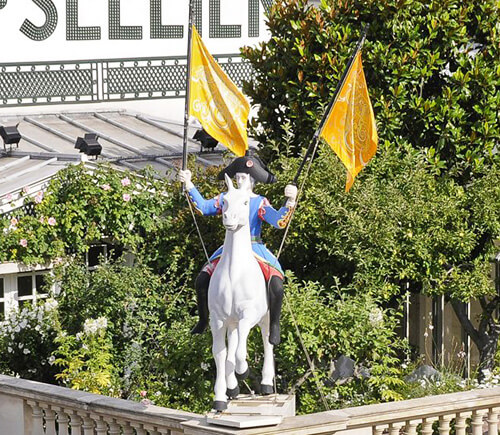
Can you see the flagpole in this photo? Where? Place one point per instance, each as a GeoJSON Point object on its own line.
{"type": "Point", "coordinates": [315, 139]}
{"type": "Point", "coordinates": [188, 87]}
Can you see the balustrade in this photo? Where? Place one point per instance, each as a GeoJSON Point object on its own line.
{"type": "Point", "coordinates": [49, 410]}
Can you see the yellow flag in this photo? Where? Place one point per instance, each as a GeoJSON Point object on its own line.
{"type": "Point", "coordinates": [216, 101]}
{"type": "Point", "coordinates": [350, 128]}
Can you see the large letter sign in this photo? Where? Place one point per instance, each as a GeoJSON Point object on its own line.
{"type": "Point", "coordinates": [116, 30]}
{"type": "Point", "coordinates": [43, 32]}
{"type": "Point", "coordinates": [75, 32]}
{"type": "Point", "coordinates": [163, 31]}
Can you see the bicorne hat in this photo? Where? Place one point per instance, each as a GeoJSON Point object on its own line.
{"type": "Point", "coordinates": [249, 165]}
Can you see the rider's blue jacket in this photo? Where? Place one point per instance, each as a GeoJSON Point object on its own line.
{"type": "Point", "coordinates": [260, 211]}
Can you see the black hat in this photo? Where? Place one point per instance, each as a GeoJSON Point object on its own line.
{"type": "Point", "coordinates": [249, 165]}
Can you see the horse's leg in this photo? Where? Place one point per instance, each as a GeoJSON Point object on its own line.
{"type": "Point", "coordinates": [241, 351]}
{"type": "Point", "coordinates": [268, 366]}
{"type": "Point", "coordinates": [232, 343]}
{"type": "Point", "coordinates": [219, 352]}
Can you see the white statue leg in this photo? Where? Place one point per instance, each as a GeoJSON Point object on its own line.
{"type": "Point", "coordinates": [268, 366]}
{"type": "Point", "coordinates": [219, 352]}
{"type": "Point", "coordinates": [241, 351]}
{"type": "Point", "coordinates": [232, 343]}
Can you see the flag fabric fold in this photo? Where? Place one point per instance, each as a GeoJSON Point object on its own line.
{"type": "Point", "coordinates": [350, 128]}
{"type": "Point", "coordinates": [216, 101]}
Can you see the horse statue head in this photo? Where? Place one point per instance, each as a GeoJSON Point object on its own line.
{"type": "Point", "coordinates": [236, 205]}
{"type": "Point", "coordinates": [237, 300]}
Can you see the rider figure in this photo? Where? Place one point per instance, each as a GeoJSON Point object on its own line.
{"type": "Point", "coordinates": [260, 210]}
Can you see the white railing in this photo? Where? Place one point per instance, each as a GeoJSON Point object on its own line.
{"type": "Point", "coordinates": [31, 408]}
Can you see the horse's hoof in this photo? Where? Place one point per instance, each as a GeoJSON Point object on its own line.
{"type": "Point", "coordinates": [219, 405]}
{"type": "Point", "coordinates": [266, 390]}
{"type": "Point", "coordinates": [243, 376]}
{"type": "Point", "coordinates": [232, 393]}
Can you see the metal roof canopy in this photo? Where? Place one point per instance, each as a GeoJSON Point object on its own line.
{"type": "Point", "coordinates": [129, 140]}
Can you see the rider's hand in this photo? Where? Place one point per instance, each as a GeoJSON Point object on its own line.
{"type": "Point", "coordinates": [291, 194]}
{"type": "Point", "coordinates": [185, 177]}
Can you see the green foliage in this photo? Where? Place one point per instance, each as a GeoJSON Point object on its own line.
{"type": "Point", "coordinates": [27, 340]}
{"type": "Point", "coordinates": [82, 206]}
{"type": "Point", "coordinates": [398, 226]}
{"type": "Point", "coordinates": [431, 86]}
{"type": "Point", "coordinates": [333, 323]}
{"type": "Point", "coordinates": [87, 359]}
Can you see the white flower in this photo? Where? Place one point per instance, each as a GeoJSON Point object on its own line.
{"type": "Point", "coordinates": [92, 326]}
{"type": "Point", "coordinates": [204, 366]}
{"type": "Point", "coordinates": [9, 349]}
{"type": "Point", "coordinates": [426, 334]}
{"type": "Point", "coordinates": [376, 317]}
{"type": "Point", "coordinates": [431, 327]}
{"type": "Point", "coordinates": [52, 358]}
{"type": "Point", "coordinates": [26, 351]}
{"type": "Point", "coordinates": [51, 304]}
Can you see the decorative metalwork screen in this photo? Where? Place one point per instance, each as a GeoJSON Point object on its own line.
{"type": "Point", "coordinates": [46, 83]}
{"type": "Point", "coordinates": [160, 78]}
{"type": "Point", "coordinates": [104, 80]}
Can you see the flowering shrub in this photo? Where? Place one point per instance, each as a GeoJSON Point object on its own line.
{"type": "Point", "coordinates": [82, 206]}
{"type": "Point", "coordinates": [87, 360]}
{"type": "Point", "coordinates": [27, 342]}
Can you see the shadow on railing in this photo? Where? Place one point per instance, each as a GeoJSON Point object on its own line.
{"type": "Point", "coordinates": [32, 408]}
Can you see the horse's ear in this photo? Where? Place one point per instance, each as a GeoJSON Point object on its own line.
{"type": "Point", "coordinates": [229, 182]}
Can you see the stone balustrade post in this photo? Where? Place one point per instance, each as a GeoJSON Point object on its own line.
{"type": "Point", "coordinates": [101, 427]}
{"type": "Point", "coordinates": [395, 428]}
{"type": "Point", "coordinates": [377, 430]}
{"type": "Point", "coordinates": [36, 418]}
{"type": "Point", "coordinates": [50, 421]}
{"type": "Point", "coordinates": [88, 425]}
{"type": "Point", "coordinates": [444, 424]}
{"type": "Point", "coordinates": [427, 426]}
{"type": "Point", "coordinates": [76, 424]}
{"type": "Point", "coordinates": [114, 428]}
{"type": "Point", "coordinates": [493, 421]}
{"type": "Point", "coordinates": [63, 422]}
{"type": "Point", "coordinates": [477, 422]}
{"type": "Point", "coordinates": [460, 423]}
{"type": "Point", "coordinates": [411, 427]}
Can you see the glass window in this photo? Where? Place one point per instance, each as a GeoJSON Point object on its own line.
{"type": "Point", "coordinates": [24, 286]}
{"type": "Point", "coordinates": [41, 283]}
{"type": "Point", "coordinates": [2, 311]}
{"type": "Point", "coordinates": [1, 288]}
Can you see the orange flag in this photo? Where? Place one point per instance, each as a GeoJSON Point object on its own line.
{"type": "Point", "coordinates": [216, 101]}
{"type": "Point", "coordinates": [350, 128]}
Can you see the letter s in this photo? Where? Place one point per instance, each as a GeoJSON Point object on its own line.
{"type": "Point", "coordinates": [43, 32]}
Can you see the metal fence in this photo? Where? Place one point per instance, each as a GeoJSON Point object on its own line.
{"type": "Point", "coordinates": [36, 83]}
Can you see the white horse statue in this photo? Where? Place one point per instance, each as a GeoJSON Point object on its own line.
{"type": "Point", "coordinates": [237, 301]}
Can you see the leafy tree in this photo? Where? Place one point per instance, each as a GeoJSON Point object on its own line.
{"type": "Point", "coordinates": [428, 216]}
{"type": "Point", "coordinates": [432, 69]}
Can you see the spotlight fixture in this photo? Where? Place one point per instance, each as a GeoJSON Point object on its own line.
{"type": "Point", "coordinates": [89, 145]}
{"type": "Point", "coordinates": [207, 142]}
{"type": "Point", "coordinates": [10, 136]}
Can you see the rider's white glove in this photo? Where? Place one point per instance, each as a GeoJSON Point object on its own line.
{"type": "Point", "coordinates": [291, 194]}
{"type": "Point", "coordinates": [185, 177]}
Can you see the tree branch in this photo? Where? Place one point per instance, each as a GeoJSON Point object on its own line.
{"type": "Point", "coordinates": [458, 307]}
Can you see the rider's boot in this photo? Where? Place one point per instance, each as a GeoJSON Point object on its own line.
{"type": "Point", "coordinates": [275, 301]}
{"type": "Point", "coordinates": [201, 286]}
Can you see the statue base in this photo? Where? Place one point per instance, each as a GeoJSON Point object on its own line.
{"type": "Point", "coordinates": [247, 411]}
